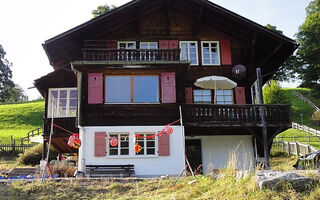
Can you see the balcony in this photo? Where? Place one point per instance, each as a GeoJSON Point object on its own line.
{"type": "Point", "coordinates": [234, 115]}
{"type": "Point", "coordinates": [131, 55]}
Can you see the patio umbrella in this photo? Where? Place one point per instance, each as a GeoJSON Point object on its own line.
{"type": "Point", "coordinates": [215, 82]}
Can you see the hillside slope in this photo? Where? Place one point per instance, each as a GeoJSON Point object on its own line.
{"type": "Point", "coordinates": [18, 119]}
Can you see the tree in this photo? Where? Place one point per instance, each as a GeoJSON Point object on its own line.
{"type": "Point", "coordinates": [14, 94]}
{"type": "Point", "coordinates": [273, 94]}
{"type": "Point", "coordinates": [307, 62]}
{"type": "Point", "coordinates": [5, 74]}
{"type": "Point", "coordinates": [102, 9]}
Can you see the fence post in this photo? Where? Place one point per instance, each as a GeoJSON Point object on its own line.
{"type": "Point", "coordinates": [289, 151]}
{"type": "Point", "coordinates": [297, 149]}
{"type": "Point", "coordinates": [13, 145]}
{"type": "Point", "coordinates": [282, 143]}
{"type": "Point", "coordinates": [308, 149]}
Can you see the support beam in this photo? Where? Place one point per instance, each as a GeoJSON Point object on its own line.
{"type": "Point", "coordinates": [263, 122]}
{"type": "Point", "coordinates": [253, 45]}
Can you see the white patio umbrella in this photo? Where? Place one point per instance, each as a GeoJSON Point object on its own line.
{"type": "Point", "coordinates": [215, 82]}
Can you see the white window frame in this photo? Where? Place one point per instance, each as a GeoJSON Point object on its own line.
{"type": "Point", "coordinates": [127, 42]}
{"type": "Point", "coordinates": [210, 54]}
{"type": "Point", "coordinates": [188, 42]}
{"type": "Point", "coordinates": [119, 134]}
{"type": "Point", "coordinates": [145, 144]}
{"type": "Point", "coordinates": [215, 97]}
{"type": "Point", "coordinates": [56, 109]}
{"type": "Point", "coordinates": [148, 44]}
{"type": "Point", "coordinates": [200, 102]}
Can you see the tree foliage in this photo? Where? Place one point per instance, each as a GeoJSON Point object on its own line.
{"type": "Point", "coordinates": [307, 62]}
{"type": "Point", "coordinates": [13, 95]}
{"type": "Point", "coordinates": [273, 94]}
{"type": "Point", "coordinates": [102, 9]}
{"type": "Point", "coordinates": [5, 75]}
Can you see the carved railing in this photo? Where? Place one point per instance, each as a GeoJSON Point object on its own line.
{"type": "Point", "coordinates": [135, 55]}
{"type": "Point", "coordinates": [236, 114]}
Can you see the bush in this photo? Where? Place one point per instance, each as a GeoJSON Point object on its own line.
{"type": "Point", "coordinates": [273, 94]}
{"type": "Point", "coordinates": [33, 155]}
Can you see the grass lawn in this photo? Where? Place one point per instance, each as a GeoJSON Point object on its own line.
{"type": "Point", "coordinates": [18, 119]}
{"type": "Point", "coordinates": [299, 107]}
{"type": "Point", "coordinates": [282, 161]}
{"type": "Point", "coordinates": [300, 136]}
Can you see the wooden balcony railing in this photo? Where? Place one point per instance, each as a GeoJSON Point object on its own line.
{"type": "Point", "coordinates": [135, 55]}
{"type": "Point", "coordinates": [235, 114]}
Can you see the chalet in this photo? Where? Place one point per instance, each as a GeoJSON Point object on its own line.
{"type": "Point", "coordinates": [128, 72]}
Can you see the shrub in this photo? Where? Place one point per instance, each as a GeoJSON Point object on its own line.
{"type": "Point", "coordinates": [273, 94]}
{"type": "Point", "coordinates": [33, 155]}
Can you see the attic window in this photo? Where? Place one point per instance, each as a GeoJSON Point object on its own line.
{"type": "Point", "coordinates": [210, 53]}
{"type": "Point", "coordinates": [62, 102]}
{"type": "Point", "coordinates": [189, 51]}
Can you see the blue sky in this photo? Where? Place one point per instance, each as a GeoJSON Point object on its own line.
{"type": "Point", "coordinates": [25, 25]}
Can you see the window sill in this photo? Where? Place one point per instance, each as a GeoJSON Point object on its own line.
{"type": "Point", "coordinates": [130, 157]}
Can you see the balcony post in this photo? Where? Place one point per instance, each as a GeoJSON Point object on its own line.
{"type": "Point", "coordinates": [263, 121]}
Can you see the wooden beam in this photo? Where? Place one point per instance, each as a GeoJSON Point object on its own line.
{"type": "Point", "coordinates": [270, 55]}
{"type": "Point", "coordinates": [279, 130]}
{"type": "Point", "coordinates": [197, 24]}
{"type": "Point", "coordinates": [253, 45]}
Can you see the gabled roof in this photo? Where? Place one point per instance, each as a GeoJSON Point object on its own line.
{"type": "Point", "coordinates": [66, 47]}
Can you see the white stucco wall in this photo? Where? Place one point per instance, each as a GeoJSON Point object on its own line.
{"type": "Point", "coordinates": [144, 166]}
{"type": "Point", "coordinates": [216, 151]}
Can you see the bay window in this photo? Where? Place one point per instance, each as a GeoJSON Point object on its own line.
{"type": "Point", "coordinates": [189, 51]}
{"type": "Point", "coordinates": [210, 53]}
{"type": "Point", "coordinates": [132, 89]}
{"type": "Point", "coordinates": [62, 102]}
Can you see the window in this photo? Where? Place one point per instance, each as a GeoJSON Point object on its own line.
{"type": "Point", "coordinates": [132, 89]}
{"type": "Point", "coordinates": [123, 144]}
{"type": "Point", "coordinates": [202, 96]}
{"type": "Point", "coordinates": [62, 102]}
{"type": "Point", "coordinates": [148, 145]}
{"type": "Point", "coordinates": [210, 53]}
{"type": "Point", "coordinates": [127, 45]}
{"type": "Point", "coordinates": [224, 97]}
{"type": "Point", "coordinates": [189, 51]}
{"type": "Point", "coordinates": [148, 45]}
{"type": "Point", "coordinates": [144, 55]}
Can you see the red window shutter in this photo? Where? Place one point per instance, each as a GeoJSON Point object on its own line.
{"type": "Point", "coordinates": [164, 145]}
{"type": "Point", "coordinates": [100, 144]}
{"type": "Point", "coordinates": [173, 44]}
{"type": "Point", "coordinates": [225, 52]}
{"type": "Point", "coordinates": [189, 98]}
{"type": "Point", "coordinates": [240, 95]}
{"type": "Point", "coordinates": [112, 44]}
{"type": "Point", "coordinates": [168, 88]}
{"type": "Point", "coordinates": [95, 88]}
{"type": "Point", "coordinates": [163, 44]}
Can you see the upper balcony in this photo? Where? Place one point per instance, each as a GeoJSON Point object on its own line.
{"type": "Point", "coordinates": [213, 115]}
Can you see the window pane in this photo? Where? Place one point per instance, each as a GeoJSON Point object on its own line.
{"type": "Point", "coordinates": [207, 98]}
{"type": "Point", "coordinates": [131, 46]}
{"type": "Point", "coordinates": [73, 94]}
{"type": "Point", "coordinates": [63, 93]}
{"type": "Point", "coordinates": [124, 144]}
{"type": "Point", "coordinates": [220, 98]}
{"type": "Point", "coordinates": [153, 46]}
{"type": "Point", "coordinates": [228, 98]}
{"type": "Point", "coordinates": [206, 92]}
{"type": "Point", "coordinates": [54, 94]}
{"type": "Point", "coordinates": [143, 45]}
{"type": "Point", "coordinates": [113, 152]}
{"type": "Point", "coordinates": [206, 51]}
{"type": "Point", "coordinates": [150, 144]}
{"type": "Point", "coordinates": [124, 152]}
{"type": "Point", "coordinates": [197, 92]}
{"type": "Point", "coordinates": [150, 151]}
{"type": "Point", "coordinates": [219, 92]}
{"type": "Point", "coordinates": [228, 92]}
{"type": "Point", "coordinates": [73, 102]}
{"type": "Point", "coordinates": [118, 89]}
{"type": "Point", "coordinates": [197, 98]}
{"type": "Point", "coordinates": [146, 89]}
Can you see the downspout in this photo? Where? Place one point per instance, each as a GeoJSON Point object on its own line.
{"type": "Point", "coordinates": [81, 156]}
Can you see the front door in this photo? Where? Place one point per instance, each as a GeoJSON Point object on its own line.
{"type": "Point", "coordinates": [193, 153]}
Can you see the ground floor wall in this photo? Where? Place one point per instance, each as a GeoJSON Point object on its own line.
{"type": "Point", "coordinates": [144, 165]}
{"type": "Point", "coordinates": [218, 151]}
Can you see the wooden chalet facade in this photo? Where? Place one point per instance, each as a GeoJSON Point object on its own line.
{"type": "Point", "coordinates": [128, 71]}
